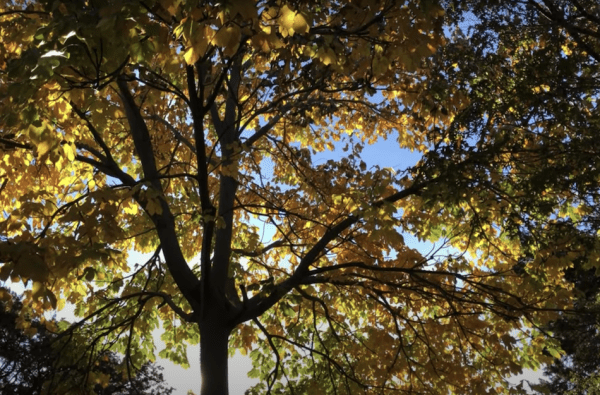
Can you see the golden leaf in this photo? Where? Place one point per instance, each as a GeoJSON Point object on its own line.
{"type": "Point", "coordinates": [69, 151]}
{"type": "Point", "coordinates": [37, 288]}
{"type": "Point", "coordinates": [300, 24]}
{"type": "Point", "coordinates": [286, 21]}
{"type": "Point", "coordinates": [228, 38]}
{"type": "Point", "coordinates": [131, 208]}
{"type": "Point", "coordinates": [261, 41]}
{"type": "Point", "coordinates": [327, 56]}
{"type": "Point", "coordinates": [191, 56]}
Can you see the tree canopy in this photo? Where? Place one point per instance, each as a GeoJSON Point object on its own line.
{"type": "Point", "coordinates": [151, 126]}
{"type": "Point", "coordinates": [539, 62]}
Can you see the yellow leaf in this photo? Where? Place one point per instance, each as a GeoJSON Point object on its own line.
{"type": "Point", "coordinates": [275, 42]}
{"type": "Point", "coordinates": [132, 208]}
{"type": "Point", "coordinates": [63, 8]}
{"type": "Point", "coordinates": [555, 353]}
{"type": "Point", "coordinates": [99, 378]}
{"type": "Point", "coordinates": [4, 295]}
{"type": "Point", "coordinates": [408, 61]}
{"type": "Point", "coordinates": [437, 11]}
{"type": "Point", "coordinates": [380, 65]}
{"type": "Point", "coordinates": [228, 38]}
{"type": "Point", "coordinates": [36, 288]}
{"type": "Point", "coordinates": [300, 25]}
{"type": "Point", "coordinates": [170, 6]}
{"type": "Point", "coordinates": [41, 135]}
{"type": "Point", "coordinates": [69, 151]}
{"type": "Point", "coordinates": [44, 147]}
{"type": "Point", "coordinates": [30, 331]}
{"type": "Point", "coordinates": [261, 41]}
{"type": "Point", "coordinates": [327, 56]}
{"type": "Point", "coordinates": [191, 56]}
{"type": "Point", "coordinates": [198, 43]}
{"type": "Point", "coordinates": [287, 18]}
{"type": "Point", "coordinates": [62, 110]}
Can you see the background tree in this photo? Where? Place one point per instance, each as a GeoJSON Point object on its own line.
{"type": "Point", "coordinates": [31, 362]}
{"type": "Point", "coordinates": [150, 125]}
{"type": "Point", "coordinates": [538, 70]}
{"type": "Point", "coordinates": [25, 359]}
{"type": "Point", "coordinates": [577, 371]}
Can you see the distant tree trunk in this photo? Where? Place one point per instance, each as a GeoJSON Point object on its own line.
{"type": "Point", "coordinates": [214, 337]}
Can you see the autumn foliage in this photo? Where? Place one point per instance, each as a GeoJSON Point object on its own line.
{"type": "Point", "coordinates": [148, 126]}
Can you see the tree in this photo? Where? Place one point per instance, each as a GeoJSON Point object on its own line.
{"type": "Point", "coordinates": [577, 371]}
{"type": "Point", "coordinates": [146, 125]}
{"type": "Point", "coordinates": [31, 363]}
{"type": "Point", "coordinates": [543, 70]}
{"type": "Point", "coordinates": [24, 359]}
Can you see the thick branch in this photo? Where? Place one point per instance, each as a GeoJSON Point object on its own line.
{"type": "Point", "coordinates": [206, 206]}
{"type": "Point", "coordinates": [23, 12]}
{"type": "Point", "coordinates": [139, 132]}
{"type": "Point", "coordinates": [125, 178]}
{"type": "Point", "coordinates": [187, 317]}
{"type": "Point", "coordinates": [267, 127]}
{"type": "Point", "coordinates": [14, 144]}
{"type": "Point", "coordinates": [165, 222]}
{"type": "Point", "coordinates": [228, 182]}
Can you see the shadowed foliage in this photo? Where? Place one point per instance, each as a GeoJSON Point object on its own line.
{"type": "Point", "coordinates": [30, 362]}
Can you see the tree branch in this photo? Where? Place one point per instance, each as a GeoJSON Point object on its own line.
{"type": "Point", "coordinates": [254, 254]}
{"type": "Point", "coordinates": [183, 275]}
{"type": "Point", "coordinates": [23, 12]}
{"type": "Point", "coordinates": [206, 207]}
{"type": "Point", "coordinates": [117, 173]}
{"type": "Point", "coordinates": [14, 144]}
{"type": "Point", "coordinates": [97, 137]}
{"type": "Point", "coordinates": [139, 132]}
{"type": "Point", "coordinates": [228, 182]}
{"type": "Point", "coordinates": [258, 304]}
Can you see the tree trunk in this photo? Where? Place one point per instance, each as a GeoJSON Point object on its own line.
{"type": "Point", "coordinates": [214, 337]}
